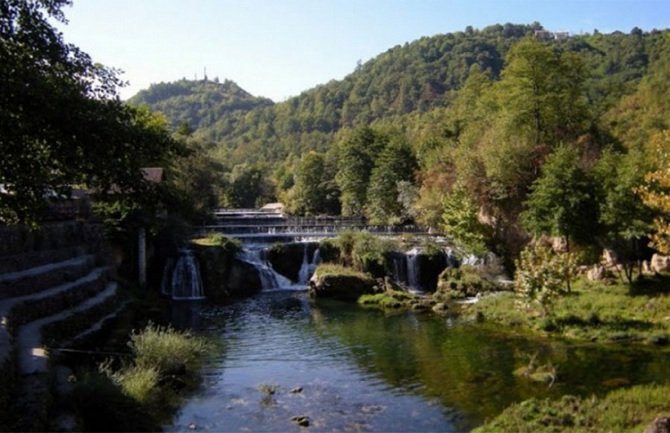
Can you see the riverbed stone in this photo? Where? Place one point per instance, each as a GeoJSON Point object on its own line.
{"type": "Point", "coordinates": [301, 420]}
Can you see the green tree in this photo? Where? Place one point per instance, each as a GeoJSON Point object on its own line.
{"type": "Point", "coordinates": [395, 164]}
{"type": "Point", "coordinates": [624, 219]}
{"type": "Point", "coordinates": [541, 273]}
{"type": "Point", "coordinates": [61, 122]}
{"type": "Point", "coordinates": [542, 92]}
{"type": "Point", "coordinates": [314, 191]}
{"type": "Point", "coordinates": [562, 201]}
{"type": "Point", "coordinates": [356, 160]}
{"type": "Point", "coordinates": [247, 186]}
{"type": "Point", "coordinates": [460, 221]}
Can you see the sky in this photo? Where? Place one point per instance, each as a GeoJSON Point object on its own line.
{"type": "Point", "coordinates": [280, 48]}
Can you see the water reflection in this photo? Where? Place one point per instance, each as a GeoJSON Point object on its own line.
{"type": "Point", "coordinates": [359, 370]}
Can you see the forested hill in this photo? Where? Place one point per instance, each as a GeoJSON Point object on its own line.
{"type": "Point", "coordinates": [414, 77]}
{"type": "Point", "coordinates": [199, 103]}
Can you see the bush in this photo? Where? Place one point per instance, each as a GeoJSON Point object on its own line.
{"type": "Point", "coordinates": [166, 349]}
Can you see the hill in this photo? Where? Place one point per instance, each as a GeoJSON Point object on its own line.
{"type": "Point", "coordinates": [199, 103]}
{"type": "Point", "coordinates": [416, 77]}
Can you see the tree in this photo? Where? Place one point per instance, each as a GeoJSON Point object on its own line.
{"type": "Point", "coordinates": [247, 187]}
{"type": "Point", "coordinates": [460, 221]}
{"type": "Point", "coordinates": [314, 191]}
{"type": "Point", "coordinates": [624, 220]}
{"type": "Point", "coordinates": [541, 273]}
{"type": "Point", "coordinates": [356, 160]}
{"type": "Point", "coordinates": [61, 122]}
{"type": "Point", "coordinates": [655, 192]}
{"type": "Point", "coordinates": [562, 201]}
{"type": "Point", "coordinates": [395, 164]}
{"type": "Point", "coordinates": [542, 92]}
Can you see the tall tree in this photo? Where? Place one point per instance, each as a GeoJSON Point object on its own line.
{"type": "Point", "coordinates": [314, 191]}
{"type": "Point", "coordinates": [396, 163]}
{"type": "Point", "coordinates": [542, 92]}
{"type": "Point", "coordinates": [355, 163]}
{"type": "Point", "coordinates": [562, 199]}
{"type": "Point", "coordinates": [624, 219]}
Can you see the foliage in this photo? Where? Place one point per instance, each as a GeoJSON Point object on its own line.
{"type": "Point", "coordinates": [561, 202]}
{"type": "Point", "coordinates": [624, 220]}
{"type": "Point", "coordinates": [314, 191]}
{"type": "Point", "coordinates": [61, 123]}
{"type": "Point", "coordinates": [655, 192]}
{"type": "Point", "coordinates": [364, 251]}
{"type": "Point", "coordinates": [460, 222]}
{"type": "Point", "coordinates": [166, 349]}
{"type": "Point", "coordinates": [356, 160]}
{"type": "Point", "coordinates": [542, 274]}
{"type": "Point", "coordinates": [395, 164]}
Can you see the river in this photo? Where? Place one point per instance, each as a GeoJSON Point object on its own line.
{"type": "Point", "coordinates": [351, 369]}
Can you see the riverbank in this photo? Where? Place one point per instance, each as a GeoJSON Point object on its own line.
{"type": "Point", "coordinates": [626, 410]}
{"type": "Point", "coordinates": [598, 312]}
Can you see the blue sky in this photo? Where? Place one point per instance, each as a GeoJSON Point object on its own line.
{"type": "Point", "coordinates": [279, 48]}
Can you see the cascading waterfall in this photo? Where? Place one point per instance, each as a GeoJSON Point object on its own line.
{"type": "Point", "coordinates": [412, 258]}
{"type": "Point", "coordinates": [270, 279]}
{"type": "Point", "coordinates": [307, 268]}
{"type": "Point", "coordinates": [185, 282]}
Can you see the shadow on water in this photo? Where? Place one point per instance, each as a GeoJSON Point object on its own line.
{"type": "Point", "coordinates": [349, 369]}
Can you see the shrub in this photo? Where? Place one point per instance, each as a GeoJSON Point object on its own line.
{"type": "Point", "coordinates": [166, 349]}
{"type": "Point", "coordinates": [542, 274]}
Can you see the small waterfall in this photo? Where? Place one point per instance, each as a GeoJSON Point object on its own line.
{"type": "Point", "coordinates": [166, 280]}
{"type": "Point", "coordinates": [186, 283]}
{"type": "Point", "coordinates": [412, 258]}
{"type": "Point", "coordinates": [307, 268]}
{"type": "Point", "coordinates": [269, 278]}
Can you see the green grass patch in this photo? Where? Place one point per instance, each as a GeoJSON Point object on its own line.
{"type": "Point", "coordinates": [164, 362]}
{"type": "Point", "coordinates": [219, 240]}
{"type": "Point", "coordinates": [623, 410]}
{"type": "Point", "coordinates": [593, 311]}
{"type": "Point", "coordinates": [327, 269]}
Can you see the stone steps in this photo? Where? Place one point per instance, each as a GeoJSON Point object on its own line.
{"type": "Point", "coordinates": [32, 354]}
{"type": "Point", "coordinates": [36, 279]}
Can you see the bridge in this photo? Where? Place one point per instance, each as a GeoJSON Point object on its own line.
{"type": "Point", "coordinates": [269, 226]}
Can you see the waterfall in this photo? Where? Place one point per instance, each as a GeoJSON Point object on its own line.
{"type": "Point", "coordinates": [412, 258]}
{"type": "Point", "coordinates": [166, 280]}
{"type": "Point", "coordinates": [185, 282]}
{"type": "Point", "coordinates": [270, 279]}
{"type": "Point", "coordinates": [307, 268]}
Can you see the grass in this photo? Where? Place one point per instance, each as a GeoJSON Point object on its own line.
{"type": "Point", "coordinates": [326, 269]}
{"type": "Point", "coordinates": [623, 410]}
{"type": "Point", "coordinates": [215, 239]}
{"type": "Point", "coordinates": [164, 361]}
{"type": "Point", "coordinates": [593, 311]}
{"type": "Point", "coordinates": [166, 349]}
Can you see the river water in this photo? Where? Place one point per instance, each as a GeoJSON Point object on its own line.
{"type": "Point", "coordinates": [351, 369]}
